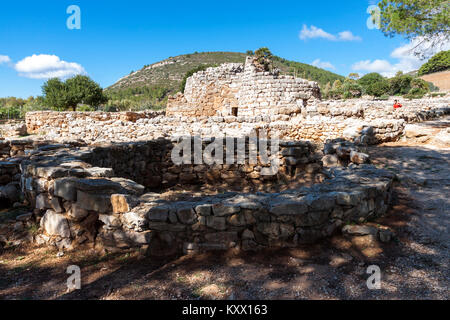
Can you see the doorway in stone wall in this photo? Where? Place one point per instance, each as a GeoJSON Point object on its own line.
{"type": "Point", "coordinates": [234, 111]}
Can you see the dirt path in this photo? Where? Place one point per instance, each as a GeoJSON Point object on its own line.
{"type": "Point", "coordinates": [414, 266]}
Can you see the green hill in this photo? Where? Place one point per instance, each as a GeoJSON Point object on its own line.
{"type": "Point", "coordinates": [168, 74]}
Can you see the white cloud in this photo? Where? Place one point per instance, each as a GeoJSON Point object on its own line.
{"type": "Point", "coordinates": [313, 32]}
{"type": "Point", "coordinates": [4, 59]}
{"type": "Point", "coordinates": [348, 36]}
{"type": "Point", "coordinates": [407, 61]}
{"type": "Point", "coordinates": [44, 66]}
{"type": "Point", "coordinates": [380, 66]}
{"type": "Point", "coordinates": [323, 64]}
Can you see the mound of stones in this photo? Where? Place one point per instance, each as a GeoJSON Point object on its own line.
{"type": "Point", "coordinates": [340, 152]}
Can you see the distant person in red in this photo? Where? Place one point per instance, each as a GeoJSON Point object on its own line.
{"type": "Point", "coordinates": [397, 105]}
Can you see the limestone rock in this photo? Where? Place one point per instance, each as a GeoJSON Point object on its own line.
{"type": "Point", "coordinates": [55, 224]}
{"type": "Point", "coordinates": [94, 202]}
{"type": "Point", "coordinates": [77, 213]}
{"type": "Point", "coordinates": [360, 230]}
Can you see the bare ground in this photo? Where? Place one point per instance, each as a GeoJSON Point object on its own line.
{"type": "Point", "coordinates": [413, 266]}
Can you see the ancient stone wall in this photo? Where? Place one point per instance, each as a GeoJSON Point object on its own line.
{"type": "Point", "coordinates": [209, 92]}
{"type": "Point", "coordinates": [38, 120]}
{"type": "Point", "coordinates": [76, 203]}
{"type": "Point", "coordinates": [242, 90]}
{"type": "Point", "coordinates": [150, 163]}
{"type": "Point", "coordinates": [317, 123]}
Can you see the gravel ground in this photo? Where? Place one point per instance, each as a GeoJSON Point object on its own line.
{"type": "Point", "coordinates": [413, 266]}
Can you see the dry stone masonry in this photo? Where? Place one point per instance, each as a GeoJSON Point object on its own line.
{"type": "Point", "coordinates": [109, 180]}
{"type": "Point", "coordinates": [316, 123]}
{"type": "Point", "coordinates": [78, 202]}
{"type": "Point", "coordinates": [242, 90]}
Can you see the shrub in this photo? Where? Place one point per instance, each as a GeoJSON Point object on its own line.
{"type": "Point", "coordinates": [264, 58]}
{"type": "Point", "coordinates": [370, 79]}
{"type": "Point", "coordinates": [400, 84]}
{"type": "Point", "coordinates": [415, 93]}
{"type": "Point", "coordinates": [10, 113]}
{"type": "Point", "coordinates": [351, 89]}
{"type": "Point", "coordinates": [439, 62]}
{"type": "Point", "coordinates": [419, 88]}
{"type": "Point", "coordinates": [437, 94]}
{"type": "Point", "coordinates": [85, 108]}
{"type": "Point", "coordinates": [379, 88]}
{"type": "Point", "coordinates": [418, 83]}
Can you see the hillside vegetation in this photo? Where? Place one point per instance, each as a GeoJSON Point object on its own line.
{"type": "Point", "coordinates": [169, 73]}
{"type": "Point", "coordinates": [439, 62]}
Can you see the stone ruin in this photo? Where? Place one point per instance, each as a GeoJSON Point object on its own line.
{"type": "Point", "coordinates": [107, 180]}
{"type": "Point", "coordinates": [234, 89]}
{"type": "Point", "coordinates": [85, 195]}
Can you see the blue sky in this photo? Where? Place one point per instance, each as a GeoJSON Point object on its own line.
{"type": "Point", "coordinates": [117, 37]}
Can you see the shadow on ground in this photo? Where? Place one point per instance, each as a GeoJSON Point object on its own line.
{"type": "Point", "coordinates": [414, 266]}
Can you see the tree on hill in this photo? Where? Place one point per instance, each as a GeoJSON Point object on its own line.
{"type": "Point", "coordinates": [264, 58]}
{"type": "Point", "coordinates": [351, 89]}
{"type": "Point", "coordinates": [353, 76]}
{"type": "Point", "coordinates": [378, 89]}
{"type": "Point", "coordinates": [400, 84]}
{"type": "Point", "coordinates": [425, 21]}
{"type": "Point", "coordinates": [439, 62]}
{"type": "Point", "coordinates": [419, 88]}
{"type": "Point", "coordinates": [369, 79]}
{"type": "Point", "coordinates": [74, 91]}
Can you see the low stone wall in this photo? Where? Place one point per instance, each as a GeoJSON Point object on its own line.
{"type": "Point", "coordinates": [37, 120]}
{"type": "Point", "coordinates": [317, 123]}
{"type": "Point", "coordinates": [368, 110]}
{"type": "Point", "coordinates": [150, 163]}
{"type": "Point", "coordinates": [13, 128]}
{"type": "Point", "coordinates": [77, 202]}
{"type": "Point", "coordinates": [318, 129]}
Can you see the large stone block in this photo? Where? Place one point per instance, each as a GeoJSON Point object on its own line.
{"type": "Point", "coordinates": [121, 203]}
{"type": "Point", "coordinates": [221, 210]}
{"type": "Point", "coordinates": [158, 213]}
{"type": "Point", "coordinates": [186, 215]}
{"type": "Point", "coordinates": [55, 224]}
{"type": "Point", "coordinates": [217, 223]}
{"type": "Point", "coordinates": [282, 206]}
{"type": "Point", "coordinates": [94, 202]}
{"type": "Point", "coordinates": [77, 213]}
{"type": "Point", "coordinates": [42, 202]}
{"type": "Point", "coordinates": [66, 189]}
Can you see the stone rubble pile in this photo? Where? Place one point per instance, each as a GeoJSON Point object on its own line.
{"type": "Point", "coordinates": [340, 152]}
